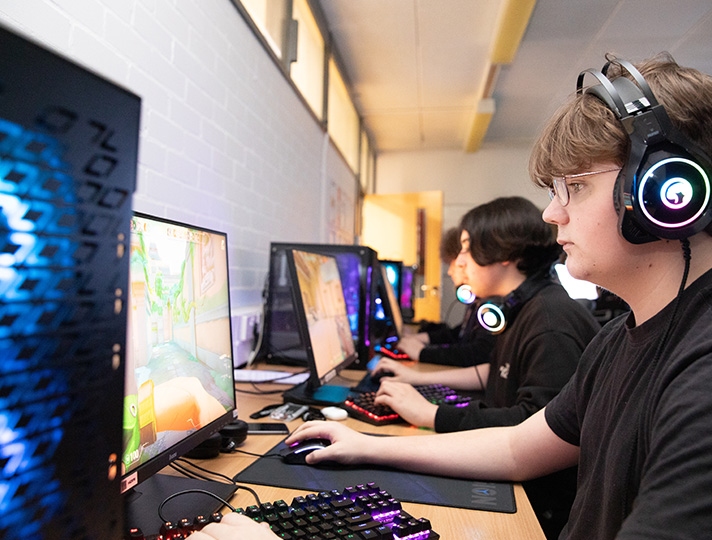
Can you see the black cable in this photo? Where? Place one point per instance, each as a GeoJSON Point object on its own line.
{"type": "Point", "coordinates": [256, 455]}
{"type": "Point", "coordinates": [259, 392]}
{"type": "Point", "coordinates": [187, 491]}
{"type": "Point", "coordinates": [179, 466]}
{"type": "Point", "coordinates": [479, 377]}
{"type": "Point", "coordinates": [181, 462]}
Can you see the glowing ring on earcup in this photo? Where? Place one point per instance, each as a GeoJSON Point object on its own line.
{"type": "Point", "coordinates": [465, 294]}
{"type": "Point", "coordinates": [674, 195]}
{"type": "Point", "coordinates": [491, 318]}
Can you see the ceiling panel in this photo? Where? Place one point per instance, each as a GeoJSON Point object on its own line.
{"type": "Point", "coordinates": [417, 66]}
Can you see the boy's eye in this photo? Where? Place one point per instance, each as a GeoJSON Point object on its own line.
{"type": "Point", "coordinates": [575, 187]}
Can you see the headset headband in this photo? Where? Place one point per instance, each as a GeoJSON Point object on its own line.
{"type": "Point", "coordinates": [663, 189]}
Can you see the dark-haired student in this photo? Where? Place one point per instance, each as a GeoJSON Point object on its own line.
{"type": "Point", "coordinates": [507, 253]}
{"type": "Point", "coordinates": [636, 415]}
{"type": "Point", "coordinates": [463, 345]}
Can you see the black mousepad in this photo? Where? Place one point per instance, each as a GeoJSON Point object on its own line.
{"type": "Point", "coordinates": [402, 485]}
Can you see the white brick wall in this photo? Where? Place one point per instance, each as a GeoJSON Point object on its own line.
{"type": "Point", "coordinates": [225, 143]}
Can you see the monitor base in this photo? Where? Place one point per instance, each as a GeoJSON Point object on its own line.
{"type": "Point", "coordinates": [324, 395]}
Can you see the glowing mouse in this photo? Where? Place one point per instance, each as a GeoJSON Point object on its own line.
{"type": "Point", "coordinates": [297, 453]}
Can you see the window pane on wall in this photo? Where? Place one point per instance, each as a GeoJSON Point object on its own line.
{"type": "Point", "coordinates": [270, 16]}
{"type": "Point", "coordinates": [308, 71]}
{"type": "Point", "coordinates": [343, 120]}
{"type": "Point", "coordinates": [363, 168]}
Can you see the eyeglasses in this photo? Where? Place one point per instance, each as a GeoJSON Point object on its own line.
{"type": "Point", "coordinates": [560, 187]}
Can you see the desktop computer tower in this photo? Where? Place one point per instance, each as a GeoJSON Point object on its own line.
{"type": "Point", "coordinates": [68, 155]}
{"type": "Point", "coordinates": [281, 341]}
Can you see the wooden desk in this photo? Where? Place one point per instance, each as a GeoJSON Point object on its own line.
{"type": "Point", "coordinates": [450, 523]}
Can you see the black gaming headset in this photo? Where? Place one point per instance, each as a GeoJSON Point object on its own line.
{"type": "Point", "coordinates": [663, 190]}
{"type": "Point", "coordinates": [495, 316]}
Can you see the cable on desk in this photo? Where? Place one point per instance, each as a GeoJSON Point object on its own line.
{"type": "Point", "coordinates": [187, 491]}
{"type": "Point", "coordinates": [257, 455]}
{"type": "Point", "coordinates": [260, 392]}
{"type": "Point", "coordinates": [179, 465]}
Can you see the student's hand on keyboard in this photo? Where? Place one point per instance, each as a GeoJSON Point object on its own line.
{"type": "Point", "coordinates": [235, 527]}
{"type": "Point", "coordinates": [396, 371]}
{"type": "Point", "coordinates": [347, 446]}
{"type": "Point", "coordinates": [407, 402]}
{"type": "Point", "coordinates": [401, 373]}
{"type": "Point", "coordinates": [411, 346]}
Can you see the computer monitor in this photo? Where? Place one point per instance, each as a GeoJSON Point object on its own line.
{"type": "Point", "coordinates": [179, 387]}
{"type": "Point", "coordinates": [323, 323]}
{"type": "Point", "coordinates": [68, 155]}
{"type": "Point", "coordinates": [387, 323]}
{"type": "Point", "coordinates": [281, 342]}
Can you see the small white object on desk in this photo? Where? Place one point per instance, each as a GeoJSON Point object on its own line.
{"type": "Point", "coordinates": [334, 413]}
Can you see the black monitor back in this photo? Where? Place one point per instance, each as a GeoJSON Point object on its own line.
{"type": "Point", "coordinates": [68, 154]}
{"type": "Point", "coordinates": [281, 342]}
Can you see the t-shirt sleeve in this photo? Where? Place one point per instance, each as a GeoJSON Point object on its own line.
{"type": "Point", "coordinates": [561, 415]}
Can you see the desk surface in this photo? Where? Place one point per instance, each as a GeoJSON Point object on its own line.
{"type": "Point", "coordinates": [448, 522]}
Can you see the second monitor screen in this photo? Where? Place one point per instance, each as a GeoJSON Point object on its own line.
{"type": "Point", "coordinates": [325, 310]}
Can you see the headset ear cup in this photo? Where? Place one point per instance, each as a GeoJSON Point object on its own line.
{"type": "Point", "coordinates": [465, 294]}
{"type": "Point", "coordinates": [627, 225]}
{"type": "Point", "coordinates": [492, 317]}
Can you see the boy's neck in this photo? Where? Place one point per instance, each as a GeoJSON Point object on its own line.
{"type": "Point", "coordinates": [660, 282]}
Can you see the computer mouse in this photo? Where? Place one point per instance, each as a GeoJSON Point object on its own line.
{"type": "Point", "coordinates": [376, 377]}
{"type": "Point", "coordinates": [296, 454]}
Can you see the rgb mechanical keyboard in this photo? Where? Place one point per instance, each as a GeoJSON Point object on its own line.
{"type": "Point", "coordinates": [362, 512]}
{"type": "Point", "coordinates": [362, 406]}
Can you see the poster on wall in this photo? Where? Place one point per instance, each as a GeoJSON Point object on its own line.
{"type": "Point", "coordinates": [340, 221]}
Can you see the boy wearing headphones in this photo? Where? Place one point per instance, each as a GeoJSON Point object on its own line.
{"type": "Point", "coordinates": [636, 415]}
{"type": "Point", "coordinates": [507, 253]}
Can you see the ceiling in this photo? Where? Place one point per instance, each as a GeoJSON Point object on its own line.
{"type": "Point", "coordinates": [417, 67]}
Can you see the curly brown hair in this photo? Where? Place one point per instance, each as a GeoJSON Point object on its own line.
{"type": "Point", "coordinates": [584, 131]}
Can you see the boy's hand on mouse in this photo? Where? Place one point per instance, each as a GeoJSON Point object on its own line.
{"type": "Point", "coordinates": [235, 527]}
{"type": "Point", "coordinates": [347, 446]}
{"type": "Point", "coordinates": [407, 402]}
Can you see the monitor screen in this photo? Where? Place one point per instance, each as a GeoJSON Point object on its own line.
{"type": "Point", "coordinates": [179, 367]}
{"type": "Point", "coordinates": [394, 270]}
{"type": "Point", "coordinates": [319, 298]}
{"type": "Point", "coordinates": [387, 308]}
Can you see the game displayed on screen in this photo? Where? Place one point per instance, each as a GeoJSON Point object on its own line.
{"type": "Point", "coordinates": [325, 309]}
{"type": "Point", "coordinates": [179, 357]}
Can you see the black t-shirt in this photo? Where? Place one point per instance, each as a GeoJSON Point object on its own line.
{"type": "Point", "coordinates": [643, 421]}
{"type": "Point", "coordinates": [532, 360]}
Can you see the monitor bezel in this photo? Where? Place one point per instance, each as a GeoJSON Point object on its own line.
{"type": "Point", "coordinates": [145, 471]}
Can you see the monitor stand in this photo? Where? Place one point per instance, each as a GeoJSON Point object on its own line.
{"type": "Point", "coordinates": [324, 395]}
{"type": "Point", "coordinates": [141, 503]}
